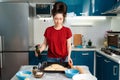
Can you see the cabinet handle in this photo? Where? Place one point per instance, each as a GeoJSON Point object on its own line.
{"type": "Point", "coordinates": [107, 61]}
{"type": "Point", "coordinates": [85, 54]}
{"type": "Point", "coordinates": [85, 13]}
{"type": "Point", "coordinates": [99, 56]}
{"type": "Point", "coordinates": [115, 70]}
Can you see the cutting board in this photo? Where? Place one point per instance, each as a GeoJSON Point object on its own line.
{"type": "Point", "coordinates": [77, 39]}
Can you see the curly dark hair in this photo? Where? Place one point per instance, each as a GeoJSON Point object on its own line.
{"type": "Point", "coordinates": [59, 7]}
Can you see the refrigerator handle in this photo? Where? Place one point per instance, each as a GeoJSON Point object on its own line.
{"type": "Point", "coordinates": [1, 55]}
{"type": "Point", "coordinates": [2, 38]}
{"type": "Point", "coordinates": [1, 61]}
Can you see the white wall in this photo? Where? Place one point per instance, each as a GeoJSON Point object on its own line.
{"type": "Point", "coordinates": [39, 28]}
{"type": "Point", "coordinates": [95, 31]}
{"type": "Point", "coordinates": [115, 23]}
{"type": "Point", "coordinates": [40, 24]}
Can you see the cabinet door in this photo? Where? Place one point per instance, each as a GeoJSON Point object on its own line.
{"type": "Point", "coordinates": [79, 7]}
{"type": "Point", "coordinates": [106, 69]}
{"type": "Point", "coordinates": [73, 56]}
{"type": "Point", "coordinates": [111, 70]}
{"type": "Point", "coordinates": [100, 6]}
{"type": "Point", "coordinates": [43, 56]}
{"type": "Point", "coordinates": [33, 60]}
{"type": "Point", "coordinates": [114, 75]}
{"type": "Point", "coordinates": [99, 66]}
{"type": "Point", "coordinates": [85, 58]}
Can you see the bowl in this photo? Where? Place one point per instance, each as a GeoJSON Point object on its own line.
{"type": "Point", "coordinates": [38, 74]}
{"type": "Point", "coordinates": [22, 75]}
{"type": "Point", "coordinates": [84, 77]}
{"type": "Point", "coordinates": [79, 46]}
{"type": "Point", "coordinates": [71, 72]}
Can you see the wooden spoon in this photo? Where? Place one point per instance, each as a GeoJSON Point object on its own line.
{"type": "Point", "coordinates": [81, 70]}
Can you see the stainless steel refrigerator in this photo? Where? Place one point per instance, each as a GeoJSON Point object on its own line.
{"type": "Point", "coordinates": [14, 37]}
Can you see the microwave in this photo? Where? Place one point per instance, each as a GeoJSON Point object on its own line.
{"type": "Point", "coordinates": [43, 9]}
{"type": "Point", "coordinates": [113, 41]}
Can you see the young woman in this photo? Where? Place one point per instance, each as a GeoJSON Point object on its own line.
{"type": "Point", "coordinates": [58, 37]}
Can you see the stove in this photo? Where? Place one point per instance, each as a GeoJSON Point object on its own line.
{"type": "Point", "coordinates": [110, 51]}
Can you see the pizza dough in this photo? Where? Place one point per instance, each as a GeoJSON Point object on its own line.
{"type": "Point", "coordinates": [49, 68]}
{"type": "Point", "coordinates": [55, 67]}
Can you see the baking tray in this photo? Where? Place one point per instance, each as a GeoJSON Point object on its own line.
{"type": "Point", "coordinates": [46, 64]}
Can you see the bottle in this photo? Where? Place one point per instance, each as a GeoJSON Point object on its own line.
{"type": "Point", "coordinates": [39, 66]}
{"type": "Point", "coordinates": [83, 41]}
{"type": "Point", "coordinates": [89, 43]}
{"type": "Point", "coordinates": [37, 49]}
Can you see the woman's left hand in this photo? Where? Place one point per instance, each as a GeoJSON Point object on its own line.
{"type": "Point", "coordinates": [70, 62]}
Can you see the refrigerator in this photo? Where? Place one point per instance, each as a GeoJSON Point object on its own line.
{"type": "Point", "coordinates": [14, 38]}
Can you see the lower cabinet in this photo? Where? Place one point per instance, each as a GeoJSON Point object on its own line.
{"type": "Point", "coordinates": [106, 69]}
{"type": "Point", "coordinates": [99, 66]}
{"type": "Point", "coordinates": [84, 58]}
{"type": "Point", "coordinates": [33, 60]}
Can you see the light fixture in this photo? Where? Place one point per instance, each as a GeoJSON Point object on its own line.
{"type": "Point", "coordinates": [88, 17]}
{"type": "Point", "coordinates": [85, 24]}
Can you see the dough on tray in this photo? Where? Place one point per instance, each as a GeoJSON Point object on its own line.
{"type": "Point", "coordinates": [55, 67]}
{"type": "Point", "coordinates": [49, 68]}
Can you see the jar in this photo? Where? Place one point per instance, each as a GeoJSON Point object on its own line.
{"type": "Point", "coordinates": [34, 70]}
{"type": "Point", "coordinates": [105, 44]}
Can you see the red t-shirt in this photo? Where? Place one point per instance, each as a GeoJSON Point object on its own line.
{"type": "Point", "coordinates": [57, 41]}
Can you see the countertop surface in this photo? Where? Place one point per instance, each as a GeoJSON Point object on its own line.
{"type": "Point", "coordinates": [73, 48]}
{"type": "Point", "coordinates": [50, 76]}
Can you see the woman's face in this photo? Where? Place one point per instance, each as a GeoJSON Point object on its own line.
{"type": "Point", "coordinates": [58, 19]}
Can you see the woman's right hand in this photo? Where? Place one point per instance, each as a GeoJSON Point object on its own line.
{"type": "Point", "coordinates": [36, 54]}
{"type": "Point", "coordinates": [37, 51]}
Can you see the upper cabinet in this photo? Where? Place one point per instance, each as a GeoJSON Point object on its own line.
{"type": "Point", "coordinates": [101, 6]}
{"type": "Point", "coordinates": [79, 7]}
{"type": "Point", "coordinates": [89, 7]}
{"type": "Point", "coordinates": [115, 9]}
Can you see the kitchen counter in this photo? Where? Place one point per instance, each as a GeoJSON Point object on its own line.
{"type": "Point", "coordinates": [115, 58]}
{"type": "Point", "coordinates": [73, 48]}
{"type": "Point", "coordinates": [83, 49]}
{"type": "Point", "coordinates": [49, 76]}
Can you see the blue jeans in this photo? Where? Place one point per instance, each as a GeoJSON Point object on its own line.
{"type": "Point", "coordinates": [56, 60]}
